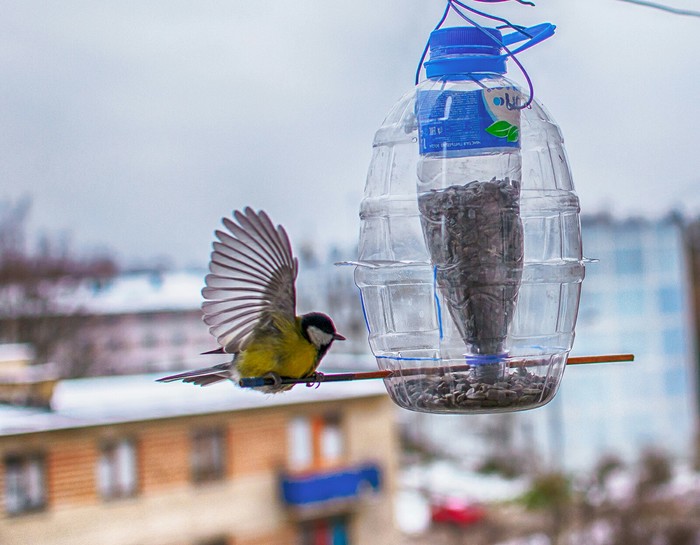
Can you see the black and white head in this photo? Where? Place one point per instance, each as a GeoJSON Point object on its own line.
{"type": "Point", "coordinates": [319, 330]}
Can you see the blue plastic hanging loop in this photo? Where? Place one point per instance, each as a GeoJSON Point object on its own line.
{"type": "Point", "coordinates": [537, 34]}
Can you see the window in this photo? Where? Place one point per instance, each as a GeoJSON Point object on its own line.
{"type": "Point", "coordinates": [25, 484]}
{"type": "Point", "coordinates": [315, 441]}
{"type": "Point", "coordinates": [208, 455]}
{"type": "Point", "coordinates": [670, 300]}
{"type": "Point", "coordinates": [114, 344]}
{"type": "Point", "coordinates": [331, 531]}
{"type": "Point", "coordinates": [179, 338]}
{"type": "Point", "coordinates": [668, 259]}
{"type": "Point", "coordinates": [300, 443]}
{"type": "Point", "coordinates": [675, 383]}
{"type": "Point", "coordinates": [673, 341]}
{"type": "Point", "coordinates": [331, 445]}
{"type": "Point", "coordinates": [150, 340]}
{"type": "Point", "coordinates": [117, 473]}
{"type": "Point", "coordinates": [629, 261]}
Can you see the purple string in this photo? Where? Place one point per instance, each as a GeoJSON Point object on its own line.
{"type": "Point", "coordinates": [427, 45]}
{"type": "Point", "coordinates": [505, 22]}
{"type": "Point", "coordinates": [518, 1]}
{"type": "Point", "coordinates": [455, 5]}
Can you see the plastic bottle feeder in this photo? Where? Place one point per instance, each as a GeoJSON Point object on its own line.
{"type": "Point", "coordinates": [470, 261]}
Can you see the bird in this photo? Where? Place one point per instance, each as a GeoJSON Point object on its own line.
{"type": "Point", "coordinates": [250, 308]}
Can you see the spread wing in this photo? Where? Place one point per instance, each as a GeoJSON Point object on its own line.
{"type": "Point", "coordinates": [251, 280]}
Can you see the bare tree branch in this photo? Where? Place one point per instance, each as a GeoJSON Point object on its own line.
{"type": "Point", "coordinates": [677, 11]}
{"type": "Point", "coordinates": [37, 282]}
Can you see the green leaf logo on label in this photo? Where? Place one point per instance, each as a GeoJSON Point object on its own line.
{"type": "Point", "coordinates": [513, 134]}
{"type": "Point", "coordinates": [503, 129]}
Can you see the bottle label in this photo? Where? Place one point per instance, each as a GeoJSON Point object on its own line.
{"type": "Point", "coordinates": [468, 120]}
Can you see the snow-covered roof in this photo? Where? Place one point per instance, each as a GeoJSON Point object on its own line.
{"type": "Point", "coordinates": [144, 292]}
{"type": "Point", "coordinates": [111, 400]}
{"type": "Point", "coordinates": [10, 352]}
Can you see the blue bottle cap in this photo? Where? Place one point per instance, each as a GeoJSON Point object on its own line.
{"type": "Point", "coordinates": [462, 50]}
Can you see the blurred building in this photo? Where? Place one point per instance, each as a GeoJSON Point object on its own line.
{"type": "Point", "coordinates": [636, 298]}
{"type": "Point", "coordinates": [21, 380]}
{"type": "Point", "coordinates": [138, 323]}
{"type": "Point", "coordinates": [693, 240]}
{"type": "Point", "coordinates": [324, 286]}
{"type": "Point", "coordinates": [131, 323]}
{"type": "Point", "coordinates": [152, 322]}
{"type": "Point", "coordinates": [124, 460]}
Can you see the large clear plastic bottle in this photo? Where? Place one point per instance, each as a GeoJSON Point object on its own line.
{"type": "Point", "coordinates": [470, 260]}
{"type": "Point", "coordinates": [469, 174]}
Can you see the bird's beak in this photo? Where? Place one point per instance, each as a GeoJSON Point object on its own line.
{"type": "Point", "coordinates": [338, 337]}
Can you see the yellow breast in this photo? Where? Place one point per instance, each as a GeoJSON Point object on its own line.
{"type": "Point", "coordinates": [287, 353]}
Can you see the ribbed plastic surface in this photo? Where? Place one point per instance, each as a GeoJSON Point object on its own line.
{"type": "Point", "coordinates": [411, 326]}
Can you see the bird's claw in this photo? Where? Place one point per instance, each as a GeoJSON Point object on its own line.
{"type": "Point", "coordinates": [315, 378]}
{"type": "Point", "coordinates": [276, 379]}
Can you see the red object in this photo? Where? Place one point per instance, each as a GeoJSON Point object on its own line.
{"type": "Point", "coordinates": [457, 512]}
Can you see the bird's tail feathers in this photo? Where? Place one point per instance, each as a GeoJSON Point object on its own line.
{"type": "Point", "coordinates": [206, 376]}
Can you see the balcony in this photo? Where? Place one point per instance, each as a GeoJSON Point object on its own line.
{"type": "Point", "coordinates": [329, 490]}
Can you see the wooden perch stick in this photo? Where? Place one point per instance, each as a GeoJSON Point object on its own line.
{"type": "Point", "coordinates": [318, 378]}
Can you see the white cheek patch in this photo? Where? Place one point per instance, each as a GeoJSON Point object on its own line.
{"type": "Point", "coordinates": [319, 338]}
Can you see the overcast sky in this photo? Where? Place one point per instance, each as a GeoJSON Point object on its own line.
{"type": "Point", "coordinates": [136, 125]}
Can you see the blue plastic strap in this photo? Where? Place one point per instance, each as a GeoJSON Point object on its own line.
{"type": "Point", "coordinates": [533, 35]}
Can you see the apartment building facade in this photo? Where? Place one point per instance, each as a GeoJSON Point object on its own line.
{"type": "Point", "coordinates": [637, 298]}
{"type": "Point", "coordinates": [138, 323]}
{"type": "Point", "coordinates": [151, 322]}
{"type": "Point", "coordinates": [123, 460]}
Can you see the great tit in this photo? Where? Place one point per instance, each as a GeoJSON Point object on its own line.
{"type": "Point", "coordinates": [250, 307]}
